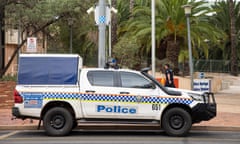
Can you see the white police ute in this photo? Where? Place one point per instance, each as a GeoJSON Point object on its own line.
{"type": "Point", "coordinates": [55, 89]}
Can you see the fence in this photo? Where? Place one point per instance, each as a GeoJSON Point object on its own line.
{"type": "Point", "coordinates": [218, 66]}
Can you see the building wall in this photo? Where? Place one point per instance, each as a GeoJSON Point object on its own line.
{"type": "Point", "coordinates": [9, 49]}
{"type": "Point", "coordinates": [6, 94]}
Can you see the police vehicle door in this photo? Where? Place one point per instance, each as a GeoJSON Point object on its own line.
{"type": "Point", "coordinates": [99, 94]}
{"type": "Point", "coordinates": [139, 93]}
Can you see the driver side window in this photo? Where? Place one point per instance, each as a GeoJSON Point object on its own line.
{"type": "Point", "coordinates": [132, 80]}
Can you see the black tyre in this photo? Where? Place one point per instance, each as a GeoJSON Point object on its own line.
{"type": "Point", "coordinates": [176, 122]}
{"type": "Point", "coordinates": [58, 121]}
{"type": "Point", "coordinates": [75, 125]}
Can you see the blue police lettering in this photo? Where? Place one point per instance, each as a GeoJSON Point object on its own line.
{"type": "Point", "coordinates": [116, 109]}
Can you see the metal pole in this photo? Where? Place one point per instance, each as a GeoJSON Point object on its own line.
{"type": "Point", "coordinates": [153, 38]}
{"type": "Point", "coordinates": [190, 50]}
{"type": "Point", "coordinates": [70, 41]}
{"type": "Point", "coordinates": [110, 32]}
{"type": "Point", "coordinates": [101, 34]}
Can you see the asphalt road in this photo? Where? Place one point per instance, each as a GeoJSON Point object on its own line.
{"type": "Point", "coordinates": [120, 137]}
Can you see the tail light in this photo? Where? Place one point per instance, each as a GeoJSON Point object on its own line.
{"type": "Point", "coordinates": [17, 97]}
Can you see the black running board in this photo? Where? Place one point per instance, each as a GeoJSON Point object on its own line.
{"type": "Point", "coordinates": [117, 124]}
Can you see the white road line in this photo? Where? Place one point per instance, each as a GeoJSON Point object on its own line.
{"type": "Point", "coordinates": [8, 135]}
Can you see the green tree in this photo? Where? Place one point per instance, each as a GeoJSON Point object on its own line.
{"type": "Point", "coordinates": [127, 42]}
{"type": "Point", "coordinates": [171, 28]}
{"type": "Point", "coordinates": [36, 16]}
{"type": "Point", "coordinates": [126, 51]}
{"type": "Point", "coordinates": [222, 20]}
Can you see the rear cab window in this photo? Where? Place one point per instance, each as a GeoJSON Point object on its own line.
{"type": "Point", "coordinates": [101, 78]}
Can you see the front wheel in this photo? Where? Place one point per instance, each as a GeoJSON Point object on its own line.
{"type": "Point", "coordinates": [58, 122]}
{"type": "Point", "coordinates": [176, 122]}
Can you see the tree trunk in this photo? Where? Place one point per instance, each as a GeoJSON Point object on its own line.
{"type": "Point", "coordinates": [172, 53]}
{"type": "Point", "coordinates": [234, 63]}
{"type": "Point", "coordinates": [131, 6]}
{"type": "Point", "coordinates": [161, 50]}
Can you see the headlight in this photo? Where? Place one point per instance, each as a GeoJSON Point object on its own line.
{"type": "Point", "coordinates": [196, 97]}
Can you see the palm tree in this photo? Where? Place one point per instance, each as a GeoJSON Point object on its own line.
{"type": "Point", "coordinates": [171, 28]}
{"type": "Point", "coordinates": [222, 20]}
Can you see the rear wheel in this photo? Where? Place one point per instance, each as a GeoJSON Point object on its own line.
{"type": "Point", "coordinates": [58, 122]}
{"type": "Point", "coordinates": [176, 122]}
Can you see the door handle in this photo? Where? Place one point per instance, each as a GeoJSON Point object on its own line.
{"type": "Point", "coordinates": [124, 92]}
{"type": "Point", "coordinates": [90, 91]}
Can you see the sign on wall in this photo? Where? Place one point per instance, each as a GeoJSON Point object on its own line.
{"type": "Point", "coordinates": [31, 44]}
{"type": "Point", "coordinates": [202, 85]}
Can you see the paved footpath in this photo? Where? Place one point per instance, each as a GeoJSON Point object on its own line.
{"type": "Point", "coordinates": [228, 107]}
{"type": "Point", "coordinates": [228, 113]}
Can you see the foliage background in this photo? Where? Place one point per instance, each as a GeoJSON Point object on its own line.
{"type": "Point", "coordinates": [131, 27]}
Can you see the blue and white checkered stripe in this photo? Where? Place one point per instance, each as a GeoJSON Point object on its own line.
{"type": "Point", "coordinates": [104, 97]}
{"type": "Point", "coordinates": [111, 98]}
{"type": "Point", "coordinates": [165, 100]}
{"type": "Point", "coordinates": [60, 96]}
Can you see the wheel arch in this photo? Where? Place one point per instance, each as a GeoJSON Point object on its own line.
{"type": "Point", "coordinates": [183, 106]}
{"type": "Point", "coordinates": [53, 104]}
